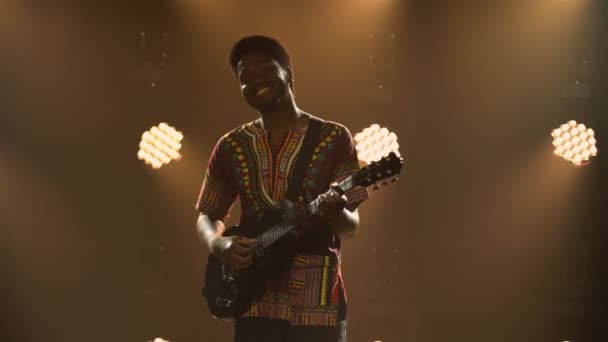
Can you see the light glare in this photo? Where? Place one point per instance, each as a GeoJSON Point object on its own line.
{"type": "Point", "coordinates": [160, 145]}
{"type": "Point", "coordinates": [574, 142]}
{"type": "Point", "coordinates": [375, 142]}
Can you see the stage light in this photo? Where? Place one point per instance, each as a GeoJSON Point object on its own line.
{"type": "Point", "coordinates": [160, 145]}
{"type": "Point", "coordinates": [574, 142]}
{"type": "Point", "coordinates": [375, 142]}
{"type": "Point", "coordinates": [159, 339]}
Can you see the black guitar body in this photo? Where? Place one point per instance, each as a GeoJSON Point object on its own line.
{"type": "Point", "coordinates": [229, 293]}
{"type": "Point", "coordinates": [225, 291]}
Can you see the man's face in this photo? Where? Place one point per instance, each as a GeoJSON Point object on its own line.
{"type": "Point", "coordinates": [264, 82]}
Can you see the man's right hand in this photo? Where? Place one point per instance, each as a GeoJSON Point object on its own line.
{"type": "Point", "coordinates": [233, 251]}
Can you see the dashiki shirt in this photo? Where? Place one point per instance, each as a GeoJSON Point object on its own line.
{"type": "Point", "coordinates": [245, 164]}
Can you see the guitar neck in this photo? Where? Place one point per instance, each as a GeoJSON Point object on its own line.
{"type": "Point", "coordinates": [278, 231]}
{"type": "Point", "coordinates": [342, 188]}
{"type": "Point", "coordinates": [383, 171]}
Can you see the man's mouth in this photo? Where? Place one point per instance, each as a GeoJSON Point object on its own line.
{"type": "Point", "coordinates": [262, 91]}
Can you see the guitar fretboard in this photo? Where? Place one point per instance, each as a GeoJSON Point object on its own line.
{"type": "Point", "coordinates": [272, 235]}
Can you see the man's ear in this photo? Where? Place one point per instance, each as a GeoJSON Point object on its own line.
{"type": "Point", "coordinates": [290, 77]}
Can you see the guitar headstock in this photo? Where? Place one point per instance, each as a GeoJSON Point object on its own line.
{"type": "Point", "coordinates": [381, 172]}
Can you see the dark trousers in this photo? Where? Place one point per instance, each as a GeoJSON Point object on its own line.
{"type": "Point", "coordinates": [255, 329]}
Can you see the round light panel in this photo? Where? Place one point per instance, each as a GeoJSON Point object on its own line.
{"type": "Point", "coordinates": [375, 142]}
{"type": "Point", "coordinates": [574, 142]}
{"type": "Point", "coordinates": [160, 145]}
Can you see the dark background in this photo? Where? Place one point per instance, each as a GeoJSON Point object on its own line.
{"type": "Point", "coordinates": [487, 237]}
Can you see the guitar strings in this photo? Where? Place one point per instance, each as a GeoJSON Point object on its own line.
{"type": "Point", "coordinates": [270, 235]}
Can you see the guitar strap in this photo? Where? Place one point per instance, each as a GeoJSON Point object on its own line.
{"type": "Point", "coordinates": [311, 138]}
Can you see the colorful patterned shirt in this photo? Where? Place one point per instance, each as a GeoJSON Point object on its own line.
{"type": "Point", "coordinates": [244, 164]}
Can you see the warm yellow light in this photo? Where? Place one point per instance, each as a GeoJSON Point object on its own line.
{"type": "Point", "coordinates": [160, 145]}
{"type": "Point", "coordinates": [375, 142]}
{"type": "Point", "coordinates": [574, 142]}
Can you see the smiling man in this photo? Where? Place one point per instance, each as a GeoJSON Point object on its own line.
{"type": "Point", "coordinates": [306, 301]}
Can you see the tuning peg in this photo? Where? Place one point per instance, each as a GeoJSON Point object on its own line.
{"type": "Point", "coordinates": [376, 187]}
{"type": "Point", "coordinates": [384, 183]}
{"type": "Point", "coordinates": [394, 180]}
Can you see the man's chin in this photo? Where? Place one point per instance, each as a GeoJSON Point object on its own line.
{"type": "Point", "coordinates": [267, 106]}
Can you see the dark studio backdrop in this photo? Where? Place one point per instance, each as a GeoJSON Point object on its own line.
{"type": "Point", "coordinates": [487, 237]}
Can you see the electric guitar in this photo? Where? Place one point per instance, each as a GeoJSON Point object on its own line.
{"type": "Point", "coordinates": [229, 293]}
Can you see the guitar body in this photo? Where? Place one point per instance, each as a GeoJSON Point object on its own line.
{"type": "Point", "coordinates": [228, 293]}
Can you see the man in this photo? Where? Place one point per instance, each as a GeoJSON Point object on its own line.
{"type": "Point", "coordinates": [254, 162]}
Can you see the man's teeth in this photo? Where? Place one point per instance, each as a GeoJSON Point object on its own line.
{"type": "Point", "coordinates": [262, 91]}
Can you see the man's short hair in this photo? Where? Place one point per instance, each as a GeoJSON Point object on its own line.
{"type": "Point", "coordinates": [265, 44]}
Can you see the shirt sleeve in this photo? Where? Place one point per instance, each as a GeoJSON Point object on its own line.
{"type": "Point", "coordinates": [346, 164]}
{"type": "Point", "coordinates": [218, 192]}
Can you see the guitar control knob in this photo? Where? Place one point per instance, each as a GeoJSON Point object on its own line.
{"type": "Point", "coordinates": [223, 303]}
{"type": "Point", "coordinates": [234, 290]}
{"type": "Point", "coordinates": [228, 276]}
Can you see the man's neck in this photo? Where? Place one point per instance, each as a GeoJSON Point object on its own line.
{"type": "Point", "coordinates": [283, 118]}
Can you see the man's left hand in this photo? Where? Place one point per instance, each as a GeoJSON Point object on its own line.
{"type": "Point", "coordinates": [331, 203]}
